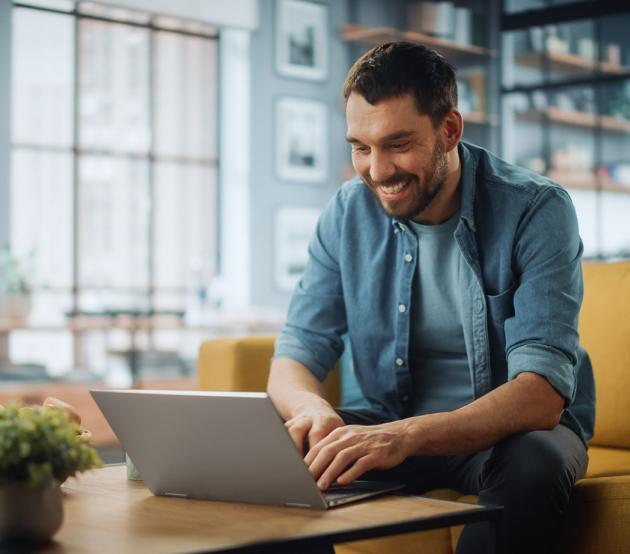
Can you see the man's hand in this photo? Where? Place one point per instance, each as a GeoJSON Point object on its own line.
{"type": "Point", "coordinates": [314, 424]}
{"type": "Point", "coordinates": [348, 452]}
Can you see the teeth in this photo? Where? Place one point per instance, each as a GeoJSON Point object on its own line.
{"type": "Point", "coordinates": [393, 189]}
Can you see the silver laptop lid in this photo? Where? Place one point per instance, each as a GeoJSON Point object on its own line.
{"type": "Point", "coordinates": [210, 445]}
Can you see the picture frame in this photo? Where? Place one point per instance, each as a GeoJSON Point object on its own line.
{"type": "Point", "coordinates": [301, 140]}
{"type": "Point", "coordinates": [302, 39]}
{"type": "Point", "coordinates": [294, 227]}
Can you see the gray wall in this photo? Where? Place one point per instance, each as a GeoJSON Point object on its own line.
{"type": "Point", "coordinates": [267, 191]}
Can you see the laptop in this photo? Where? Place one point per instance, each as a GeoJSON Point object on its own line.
{"type": "Point", "coordinates": [219, 446]}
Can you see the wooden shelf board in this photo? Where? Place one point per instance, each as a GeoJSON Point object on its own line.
{"type": "Point", "coordinates": [575, 118]}
{"type": "Point", "coordinates": [568, 179]}
{"type": "Point", "coordinates": [448, 47]}
{"type": "Point", "coordinates": [568, 63]}
{"type": "Point", "coordinates": [480, 118]}
{"type": "Point", "coordinates": [371, 35]}
{"type": "Point", "coordinates": [586, 181]}
{"type": "Point", "coordinates": [376, 35]}
{"type": "Point", "coordinates": [612, 123]}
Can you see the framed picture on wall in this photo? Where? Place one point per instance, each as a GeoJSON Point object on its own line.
{"type": "Point", "coordinates": [302, 39]}
{"type": "Point", "coordinates": [294, 227]}
{"type": "Point", "coordinates": [301, 140]}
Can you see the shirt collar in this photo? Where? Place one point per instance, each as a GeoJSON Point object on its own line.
{"type": "Point", "coordinates": [468, 183]}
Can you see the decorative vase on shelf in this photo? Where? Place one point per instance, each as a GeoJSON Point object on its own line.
{"type": "Point", "coordinates": [16, 307]}
{"type": "Point", "coordinates": [30, 513]}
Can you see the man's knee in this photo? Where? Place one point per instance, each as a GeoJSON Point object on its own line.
{"type": "Point", "coordinates": [530, 464]}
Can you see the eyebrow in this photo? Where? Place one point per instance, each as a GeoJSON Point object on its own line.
{"type": "Point", "coordinates": [393, 136]}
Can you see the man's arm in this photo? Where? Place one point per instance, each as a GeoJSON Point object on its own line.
{"type": "Point", "coordinates": [526, 403]}
{"type": "Point", "coordinates": [298, 397]}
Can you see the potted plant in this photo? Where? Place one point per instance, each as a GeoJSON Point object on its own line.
{"type": "Point", "coordinates": [40, 447]}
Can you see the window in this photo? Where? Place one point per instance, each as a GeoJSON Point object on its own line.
{"type": "Point", "coordinates": [114, 163]}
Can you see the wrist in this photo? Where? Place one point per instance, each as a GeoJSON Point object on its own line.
{"type": "Point", "coordinates": [308, 402]}
{"type": "Point", "coordinates": [413, 432]}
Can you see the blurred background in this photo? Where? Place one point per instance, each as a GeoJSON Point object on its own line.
{"type": "Point", "coordinates": [163, 163]}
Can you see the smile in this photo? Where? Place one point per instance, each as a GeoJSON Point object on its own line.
{"type": "Point", "coordinates": [394, 188]}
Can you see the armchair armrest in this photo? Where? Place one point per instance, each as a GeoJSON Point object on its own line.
{"type": "Point", "coordinates": [242, 364]}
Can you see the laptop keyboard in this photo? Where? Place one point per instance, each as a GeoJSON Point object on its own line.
{"type": "Point", "coordinates": [337, 492]}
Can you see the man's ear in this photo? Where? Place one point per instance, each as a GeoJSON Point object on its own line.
{"type": "Point", "coordinates": [452, 129]}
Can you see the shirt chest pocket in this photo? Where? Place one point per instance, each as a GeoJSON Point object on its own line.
{"type": "Point", "coordinates": [500, 307]}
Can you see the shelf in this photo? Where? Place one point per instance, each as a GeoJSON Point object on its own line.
{"type": "Point", "coordinates": [576, 119]}
{"type": "Point", "coordinates": [611, 123]}
{"type": "Point", "coordinates": [480, 118]}
{"type": "Point", "coordinates": [586, 181]}
{"type": "Point", "coordinates": [351, 32]}
{"type": "Point", "coordinates": [568, 63]}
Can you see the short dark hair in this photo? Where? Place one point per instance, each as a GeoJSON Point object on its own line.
{"type": "Point", "coordinates": [397, 68]}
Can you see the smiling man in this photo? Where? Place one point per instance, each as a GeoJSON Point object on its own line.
{"type": "Point", "coordinates": [456, 279]}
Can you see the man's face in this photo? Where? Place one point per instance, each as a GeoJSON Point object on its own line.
{"type": "Point", "coordinates": [397, 152]}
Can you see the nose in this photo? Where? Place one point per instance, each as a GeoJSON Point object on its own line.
{"type": "Point", "coordinates": [381, 167]}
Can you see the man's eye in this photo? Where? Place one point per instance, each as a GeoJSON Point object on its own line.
{"type": "Point", "coordinates": [398, 145]}
{"type": "Point", "coordinates": [360, 149]}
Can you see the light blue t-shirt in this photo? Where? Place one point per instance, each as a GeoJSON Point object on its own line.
{"type": "Point", "coordinates": [440, 373]}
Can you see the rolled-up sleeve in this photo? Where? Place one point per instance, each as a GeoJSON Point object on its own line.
{"type": "Point", "coordinates": [542, 336]}
{"type": "Point", "coordinates": [316, 319]}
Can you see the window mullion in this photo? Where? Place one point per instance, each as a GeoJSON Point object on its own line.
{"type": "Point", "coordinates": [75, 226]}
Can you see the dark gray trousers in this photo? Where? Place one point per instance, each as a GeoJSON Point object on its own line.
{"type": "Point", "coordinates": [530, 474]}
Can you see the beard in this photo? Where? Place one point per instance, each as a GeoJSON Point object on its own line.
{"type": "Point", "coordinates": [422, 193]}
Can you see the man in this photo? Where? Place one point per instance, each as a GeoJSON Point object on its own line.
{"type": "Point", "coordinates": [456, 278]}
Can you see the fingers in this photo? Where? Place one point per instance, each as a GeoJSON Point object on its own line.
{"type": "Point", "coordinates": [63, 406]}
{"type": "Point", "coordinates": [347, 453]}
{"type": "Point", "coordinates": [314, 427]}
{"type": "Point", "coordinates": [351, 460]}
{"type": "Point", "coordinates": [319, 431]}
{"type": "Point", "coordinates": [361, 466]}
{"type": "Point", "coordinates": [331, 457]}
{"type": "Point", "coordinates": [317, 447]}
{"type": "Point", "coordinates": [298, 430]}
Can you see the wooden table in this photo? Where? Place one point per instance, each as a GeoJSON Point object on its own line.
{"type": "Point", "coordinates": [104, 512]}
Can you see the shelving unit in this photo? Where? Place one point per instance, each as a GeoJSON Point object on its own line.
{"type": "Point", "coordinates": [570, 111]}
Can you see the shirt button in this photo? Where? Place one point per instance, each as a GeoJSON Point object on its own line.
{"type": "Point", "coordinates": [408, 257]}
{"type": "Point", "coordinates": [399, 361]}
{"type": "Point", "coordinates": [405, 398]}
{"type": "Point", "coordinates": [402, 308]}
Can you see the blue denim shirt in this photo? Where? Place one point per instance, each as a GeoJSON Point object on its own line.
{"type": "Point", "coordinates": [518, 234]}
